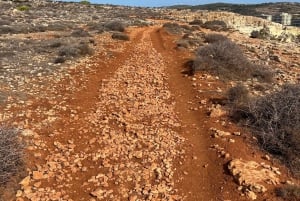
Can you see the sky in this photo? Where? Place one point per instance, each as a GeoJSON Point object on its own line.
{"type": "Point", "coordinates": [157, 3]}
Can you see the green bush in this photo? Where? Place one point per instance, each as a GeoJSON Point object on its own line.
{"type": "Point", "coordinates": [85, 2]}
{"type": "Point", "coordinates": [23, 8]}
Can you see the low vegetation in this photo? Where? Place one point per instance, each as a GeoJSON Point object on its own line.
{"type": "Point", "coordinates": [11, 154]}
{"type": "Point", "coordinates": [274, 119]}
{"type": "Point", "coordinates": [196, 22]}
{"type": "Point", "coordinates": [289, 192]}
{"type": "Point", "coordinates": [225, 59]}
{"type": "Point", "coordinates": [177, 29]}
{"type": "Point", "coordinates": [212, 38]}
{"type": "Point", "coordinates": [80, 33]}
{"type": "Point", "coordinates": [263, 33]}
{"type": "Point", "coordinates": [173, 28]}
{"type": "Point", "coordinates": [85, 2]}
{"type": "Point", "coordinates": [67, 52]}
{"type": "Point", "coordinates": [215, 25]}
{"type": "Point", "coordinates": [23, 8]}
{"type": "Point", "coordinates": [120, 36]}
{"type": "Point", "coordinates": [114, 26]}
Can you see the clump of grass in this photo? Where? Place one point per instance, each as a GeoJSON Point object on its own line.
{"type": "Point", "coordinates": [120, 36]}
{"type": "Point", "coordinates": [289, 192]}
{"type": "Point", "coordinates": [11, 154]}
{"type": "Point", "coordinates": [212, 38]}
{"type": "Point", "coordinates": [275, 121]}
{"type": "Point", "coordinates": [23, 8]}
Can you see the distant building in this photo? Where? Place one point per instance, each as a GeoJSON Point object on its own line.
{"type": "Point", "coordinates": [267, 17]}
{"type": "Point", "coordinates": [283, 18]}
{"type": "Point", "coordinates": [286, 19]}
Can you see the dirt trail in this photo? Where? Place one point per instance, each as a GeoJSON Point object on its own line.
{"type": "Point", "coordinates": [127, 134]}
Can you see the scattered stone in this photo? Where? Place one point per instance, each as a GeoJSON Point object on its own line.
{"type": "Point", "coordinates": [251, 195]}
{"type": "Point", "coordinates": [36, 175]}
{"type": "Point", "coordinates": [252, 175]}
{"type": "Point", "coordinates": [218, 133]}
{"type": "Point", "coordinates": [267, 157]}
{"type": "Point", "coordinates": [217, 111]}
{"type": "Point", "coordinates": [25, 182]}
{"type": "Point", "coordinates": [98, 193]}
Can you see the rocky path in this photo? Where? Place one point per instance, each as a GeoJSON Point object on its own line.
{"type": "Point", "coordinates": [120, 145]}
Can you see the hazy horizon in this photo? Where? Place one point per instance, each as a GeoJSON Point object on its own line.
{"type": "Point", "coordinates": [158, 3]}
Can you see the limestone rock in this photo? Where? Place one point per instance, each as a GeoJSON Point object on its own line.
{"type": "Point", "coordinates": [252, 175]}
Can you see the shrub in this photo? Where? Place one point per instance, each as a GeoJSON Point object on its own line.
{"type": "Point", "coordinates": [225, 59]}
{"type": "Point", "coordinates": [217, 59]}
{"type": "Point", "coordinates": [98, 27]}
{"type": "Point", "coordinates": [11, 154]}
{"type": "Point", "coordinates": [85, 2]}
{"type": "Point", "coordinates": [212, 38]}
{"type": "Point", "coordinates": [275, 120]}
{"type": "Point", "coordinates": [55, 44]}
{"type": "Point", "coordinates": [183, 43]}
{"type": "Point", "coordinates": [186, 28]}
{"type": "Point", "coordinates": [140, 23]}
{"type": "Point", "coordinates": [173, 28]}
{"type": "Point", "coordinates": [56, 26]}
{"type": "Point", "coordinates": [262, 73]}
{"type": "Point", "coordinates": [196, 22]}
{"type": "Point", "coordinates": [115, 26]}
{"type": "Point", "coordinates": [238, 95]}
{"type": "Point", "coordinates": [120, 36]}
{"type": "Point", "coordinates": [264, 33]}
{"type": "Point", "coordinates": [59, 60]}
{"type": "Point", "coordinates": [215, 25]}
{"type": "Point", "coordinates": [289, 192]}
{"type": "Point", "coordinates": [80, 33]}
{"type": "Point", "coordinates": [75, 50]}
{"type": "Point", "coordinates": [23, 8]}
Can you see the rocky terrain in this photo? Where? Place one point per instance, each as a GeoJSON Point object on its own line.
{"type": "Point", "coordinates": [119, 118]}
{"type": "Point", "coordinates": [274, 9]}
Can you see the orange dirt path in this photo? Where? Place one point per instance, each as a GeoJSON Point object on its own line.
{"type": "Point", "coordinates": [125, 133]}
